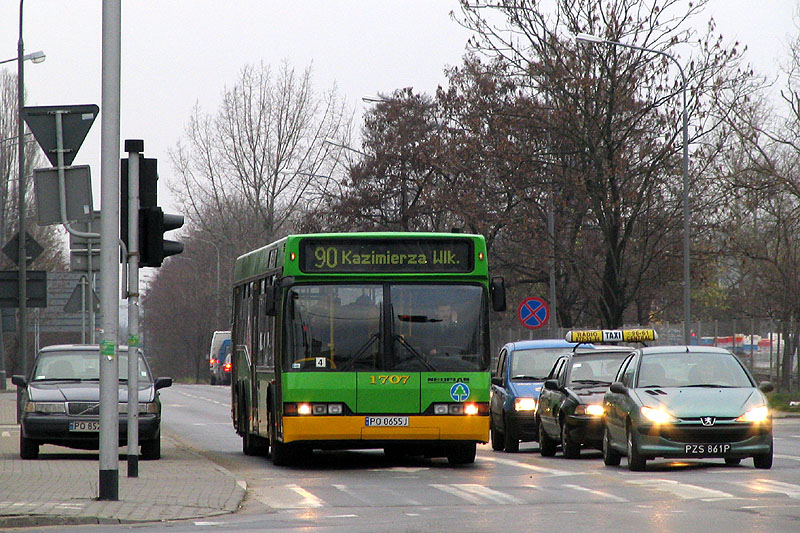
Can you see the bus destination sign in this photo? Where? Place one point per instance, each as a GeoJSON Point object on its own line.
{"type": "Point", "coordinates": [349, 256]}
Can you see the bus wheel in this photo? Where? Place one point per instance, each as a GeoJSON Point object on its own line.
{"type": "Point", "coordinates": [462, 454]}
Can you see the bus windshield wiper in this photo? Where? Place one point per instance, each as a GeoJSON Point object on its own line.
{"type": "Point", "coordinates": [361, 351]}
{"type": "Point", "coordinates": [525, 376]}
{"type": "Point", "coordinates": [414, 353]}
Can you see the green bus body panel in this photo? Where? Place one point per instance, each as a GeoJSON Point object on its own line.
{"type": "Point", "coordinates": [386, 392]}
{"type": "Point", "coordinates": [436, 387]}
{"type": "Point", "coordinates": [320, 387]}
{"type": "Point", "coordinates": [257, 262]}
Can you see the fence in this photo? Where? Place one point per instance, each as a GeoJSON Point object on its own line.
{"type": "Point", "coordinates": [759, 343]}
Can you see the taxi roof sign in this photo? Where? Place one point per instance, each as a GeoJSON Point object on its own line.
{"type": "Point", "coordinates": [611, 335]}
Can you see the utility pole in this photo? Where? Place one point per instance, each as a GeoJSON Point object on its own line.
{"type": "Point", "coordinates": [109, 251]}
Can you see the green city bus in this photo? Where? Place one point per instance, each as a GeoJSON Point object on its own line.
{"type": "Point", "coordinates": [363, 340]}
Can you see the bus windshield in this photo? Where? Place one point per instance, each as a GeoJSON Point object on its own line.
{"type": "Point", "coordinates": [413, 327]}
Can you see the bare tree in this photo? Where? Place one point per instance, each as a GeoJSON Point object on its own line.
{"type": "Point", "coordinates": [615, 129]}
{"type": "Point", "coordinates": [261, 157]}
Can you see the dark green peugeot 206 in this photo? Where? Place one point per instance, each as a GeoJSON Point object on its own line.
{"type": "Point", "coordinates": [686, 402]}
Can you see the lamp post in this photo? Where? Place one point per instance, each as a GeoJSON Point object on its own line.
{"type": "Point", "coordinates": [36, 57]}
{"type": "Point", "coordinates": [687, 304]}
{"type": "Point", "coordinates": [216, 299]}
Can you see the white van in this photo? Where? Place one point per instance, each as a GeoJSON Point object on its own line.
{"type": "Point", "coordinates": [216, 355]}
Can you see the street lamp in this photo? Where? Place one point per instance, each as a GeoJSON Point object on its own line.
{"type": "Point", "coordinates": [216, 299]}
{"type": "Point", "coordinates": [687, 305]}
{"type": "Point", "coordinates": [334, 142]}
{"type": "Point", "coordinates": [35, 57]}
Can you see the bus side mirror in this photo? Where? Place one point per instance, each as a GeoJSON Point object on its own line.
{"type": "Point", "coordinates": [271, 298]}
{"type": "Point", "coordinates": [497, 289]}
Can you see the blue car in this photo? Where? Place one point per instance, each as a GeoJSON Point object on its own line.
{"type": "Point", "coordinates": [522, 367]}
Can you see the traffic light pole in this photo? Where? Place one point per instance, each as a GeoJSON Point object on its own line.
{"type": "Point", "coordinates": [134, 149]}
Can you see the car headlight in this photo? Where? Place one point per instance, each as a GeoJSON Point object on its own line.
{"type": "Point", "coordinates": [658, 416]}
{"type": "Point", "coordinates": [756, 414]}
{"type": "Point", "coordinates": [145, 408]}
{"type": "Point", "coordinates": [46, 407]}
{"type": "Point", "coordinates": [524, 404]}
{"type": "Point", "coordinates": [591, 410]}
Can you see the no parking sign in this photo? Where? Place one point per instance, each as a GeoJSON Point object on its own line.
{"type": "Point", "coordinates": [533, 312]}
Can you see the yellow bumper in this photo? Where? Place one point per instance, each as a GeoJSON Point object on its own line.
{"type": "Point", "coordinates": [316, 428]}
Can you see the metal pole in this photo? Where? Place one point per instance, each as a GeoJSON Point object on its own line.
{"type": "Point", "coordinates": [687, 304]}
{"type": "Point", "coordinates": [551, 230]}
{"type": "Point", "coordinates": [22, 332]}
{"type": "Point", "coordinates": [109, 251]}
{"type": "Point", "coordinates": [134, 149]}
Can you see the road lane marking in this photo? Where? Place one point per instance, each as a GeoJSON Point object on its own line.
{"type": "Point", "coordinates": [309, 499]}
{"type": "Point", "coordinates": [550, 471]}
{"type": "Point", "coordinates": [490, 494]}
{"type": "Point", "coordinates": [770, 485]}
{"type": "Point", "coordinates": [455, 491]}
{"type": "Point", "coordinates": [286, 497]}
{"type": "Point", "coordinates": [790, 457]}
{"type": "Point", "coordinates": [596, 492]}
{"type": "Point", "coordinates": [5, 434]}
{"type": "Point", "coordinates": [478, 494]}
{"type": "Point", "coordinates": [682, 490]}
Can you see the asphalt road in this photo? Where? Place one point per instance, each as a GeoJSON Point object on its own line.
{"type": "Point", "coordinates": [364, 491]}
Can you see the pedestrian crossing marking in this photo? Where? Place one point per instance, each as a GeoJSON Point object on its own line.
{"type": "Point", "coordinates": [596, 492]}
{"type": "Point", "coordinates": [682, 490]}
{"type": "Point", "coordinates": [543, 470]}
{"type": "Point", "coordinates": [478, 494]}
{"type": "Point", "coordinates": [769, 485]}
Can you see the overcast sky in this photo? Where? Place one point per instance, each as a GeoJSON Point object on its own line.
{"type": "Point", "coordinates": [178, 53]}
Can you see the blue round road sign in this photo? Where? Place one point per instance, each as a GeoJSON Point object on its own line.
{"type": "Point", "coordinates": [533, 312]}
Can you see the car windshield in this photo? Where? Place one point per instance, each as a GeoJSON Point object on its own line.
{"type": "Point", "coordinates": [595, 369]}
{"type": "Point", "coordinates": [692, 369]}
{"type": "Point", "coordinates": [81, 365]}
{"type": "Point", "coordinates": [429, 327]}
{"type": "Point", "coordinates": [534, 363]}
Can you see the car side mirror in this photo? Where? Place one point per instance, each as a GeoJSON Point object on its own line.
{"type": "Point", "coordinates": [618, 388]}
{"type": "Point", "coordinates": [497, 289]}
{"type": "Point", "coordinates": [162, 383]}
{"type": "Point", "coordinates": [766, 386]}
{"type": "Point", "coordinates": [19, 381]}
{"type": "Point", "coordinates": [497, 380]}
{"type": "Point", "coordinates": [551, 384]}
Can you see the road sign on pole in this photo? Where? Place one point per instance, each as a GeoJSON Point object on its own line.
{"type": "Point", "coordinates": [533, 312]}
{"type": "Point", "coordinates": [32, 248]}
{"type": "Point", "coordinates": [76, 122]}
{"type": "Point", "coordinates": [77, 191]}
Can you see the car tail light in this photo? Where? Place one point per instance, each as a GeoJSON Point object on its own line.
{"type": "Point", "coordinates": [227, 367]}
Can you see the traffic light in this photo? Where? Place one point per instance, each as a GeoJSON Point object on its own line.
{"type": "Point", "coordinates": [148, 191]}
{"type": "Point", "coordinates": [153, 247]}
{"type": "Point", "coordinates": [153, 223]}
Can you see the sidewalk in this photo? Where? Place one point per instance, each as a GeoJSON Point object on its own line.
{"type": "Point", "coordinates": [61, 487]}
